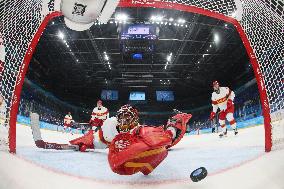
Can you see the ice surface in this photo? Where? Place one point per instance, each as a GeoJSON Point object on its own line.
{"type": "Point", "coordinates": [217, 155]}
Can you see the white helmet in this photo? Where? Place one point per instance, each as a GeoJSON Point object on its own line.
{"type": "Point", "coordinates": [80, 15]}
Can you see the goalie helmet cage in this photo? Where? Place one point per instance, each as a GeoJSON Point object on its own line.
{"type": "Point", "coordinates": [260, 26]}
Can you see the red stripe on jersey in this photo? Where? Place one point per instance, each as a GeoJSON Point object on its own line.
{"type": "Point", "coordinates": [219, 101]}
{"type": "Point", "coordinates": [99, 114]}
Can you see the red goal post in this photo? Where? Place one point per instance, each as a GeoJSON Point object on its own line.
{"type": "Point", "coordinates": [259, 23]}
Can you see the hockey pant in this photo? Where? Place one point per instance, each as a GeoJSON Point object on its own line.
{"type": "Point", "coordinates": [229, 115]}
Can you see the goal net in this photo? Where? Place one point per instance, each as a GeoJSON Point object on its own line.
{"type": "Point", "coordinates": [260, 25]}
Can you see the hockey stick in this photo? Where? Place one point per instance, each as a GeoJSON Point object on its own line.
{"type": "Point", "coordinates": [83, 123]}
{"type": "Point", "coordinates": [41, 143]}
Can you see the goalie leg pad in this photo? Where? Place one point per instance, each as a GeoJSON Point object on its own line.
{"type": "Point", "coordinates": [152, 158]}
{"type": "Point", "coordinates": [87, 140]}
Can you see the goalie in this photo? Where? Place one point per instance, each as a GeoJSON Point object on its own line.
{"type": "Point", "coordinates": [223, 98]}
{"type": "Point", "coordinates": [132, 147]}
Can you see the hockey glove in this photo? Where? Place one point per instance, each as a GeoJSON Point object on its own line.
{"type": "Point", "coordinates": [212, 115]}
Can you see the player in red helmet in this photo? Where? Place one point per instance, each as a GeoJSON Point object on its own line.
{"type": "Point", "coordinates": [132, 147]}
{"type": "Point", "coordinates": [99, 115]}
{"type": "Point", "coordinates": [68, 120]}
{"type": "Point", "coordinates": [222, 98]}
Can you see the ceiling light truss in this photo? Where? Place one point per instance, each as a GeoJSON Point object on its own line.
{"type": "Point", "coordinates": [61, 35]}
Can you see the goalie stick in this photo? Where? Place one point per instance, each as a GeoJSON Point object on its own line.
{"type": "Point", "coordinates": [41, 143]}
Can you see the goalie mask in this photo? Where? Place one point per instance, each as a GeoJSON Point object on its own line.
{"type": "Point", "coordinates": [127, 118]}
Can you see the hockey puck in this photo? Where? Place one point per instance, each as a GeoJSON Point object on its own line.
{"type": "Point", "coordinates": [198, 174]}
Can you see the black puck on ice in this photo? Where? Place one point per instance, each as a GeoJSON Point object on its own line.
{"type": "Point", "coordinates": [198, 174]}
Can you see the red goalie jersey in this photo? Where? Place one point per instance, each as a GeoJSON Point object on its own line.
{"type": "Point", "coordinates": [144, 148]}
{"type": "Point", "coordinates": [132, 147]}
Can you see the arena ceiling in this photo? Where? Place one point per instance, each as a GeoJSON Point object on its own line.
{"type": "Point", "coordinates": [188, 55]}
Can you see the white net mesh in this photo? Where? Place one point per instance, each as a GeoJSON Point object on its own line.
{"type": "Point", "coordinates": [19, 21]}
{"type": "Point", "coordinates": [262, 21]}
{"type": "Point", "coordinates": [265, 30]}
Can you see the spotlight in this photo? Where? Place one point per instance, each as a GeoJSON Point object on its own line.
{"type": "Point", "coordinates": [216, 38]}
{"type": "Point", "coordinates": [156, 18]}
{"type": "Point", "coordinates": [169, 57]}
{"type": "Point", "coordinates": [181, 21]}
{"type": "Point", "coordinates": [121, 17]}
{"type": "Point", "coordinates": [61, 35]}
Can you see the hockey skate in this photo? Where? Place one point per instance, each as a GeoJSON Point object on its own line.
{"type": "Point", "coordinates": [224, 134]}
{"type": "Point", "coordinates": [236, 131]}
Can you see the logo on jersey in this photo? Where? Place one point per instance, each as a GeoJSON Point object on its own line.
{"type": "Point", "coordinates": [219, 101]}
{"type": "Point", "coordinates": [50, 5]}
{"type": "Point", "coordinates": [79, 9]}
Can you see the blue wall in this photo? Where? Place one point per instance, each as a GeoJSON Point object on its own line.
{"type": "Point", "coordinates": [240, 124]}
{"type": "Point", "coordinates": [44, 125]}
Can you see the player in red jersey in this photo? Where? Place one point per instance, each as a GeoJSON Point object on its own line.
{"type": "Point", "coordinates": [133, 147]}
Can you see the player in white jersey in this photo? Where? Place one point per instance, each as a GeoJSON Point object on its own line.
{"type": "Point", "coordinates": [222, 98]}
{"type": "Point", "coordinates": [68, 120]}
{"type": "Point", "coordinates": [99, 115]}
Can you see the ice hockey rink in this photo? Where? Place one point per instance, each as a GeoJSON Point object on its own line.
{"type": "Point", "coordinates": [232, 162]}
